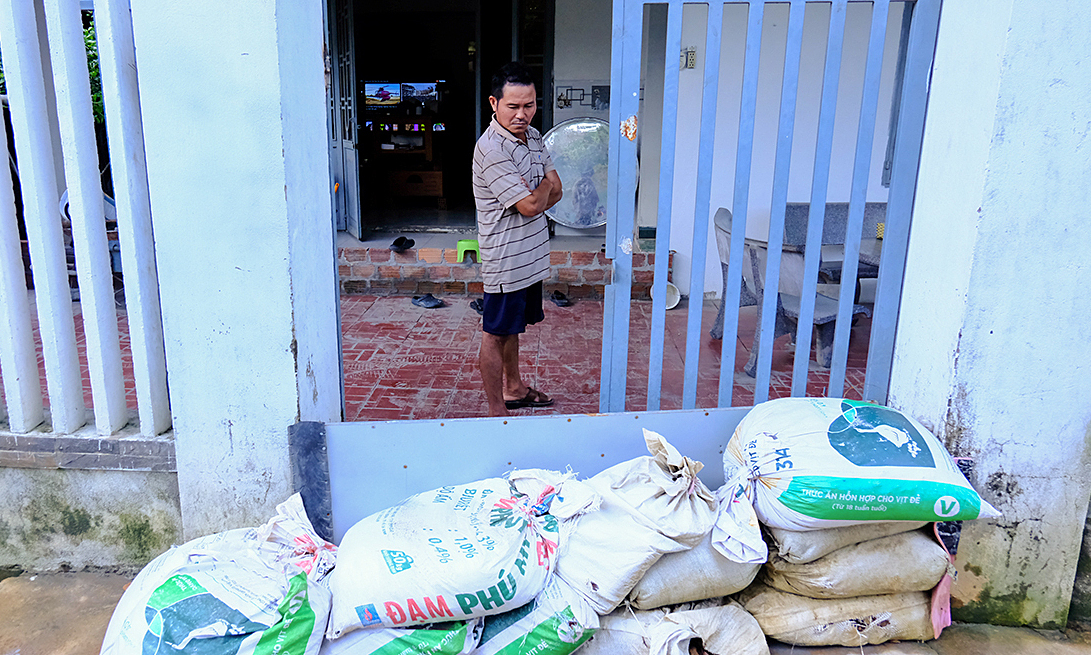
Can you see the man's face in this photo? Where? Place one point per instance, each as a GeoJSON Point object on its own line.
{"type": "Point", "coordinates": [516, 108]}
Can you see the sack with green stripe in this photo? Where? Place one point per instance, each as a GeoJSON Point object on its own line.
{"type": "Point", "coordinates": [814, 463]}
{"type": "Point", "coordinates": [251, 591]}
{"type": "Point", "coordinates": [450, 638]}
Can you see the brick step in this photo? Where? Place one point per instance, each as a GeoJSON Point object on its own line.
{"type": "Point", "coordinates": [380, 271]}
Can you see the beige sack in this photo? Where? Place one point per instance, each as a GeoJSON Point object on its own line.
{"type": "Point", "coordinates": [690, 575]}
{"type": "Point", "coordinates": [724, 630]}
{"type": "Point", "coordinates": [803, 547]}
{"type": "Point", "coordinates": [841, 621]}
{"type": "Point", "coordinates": [623, 632]}
{"type": "Point", "coordinates": [911, 561]}
{"type": "Point", "coordinates": [650, 506]}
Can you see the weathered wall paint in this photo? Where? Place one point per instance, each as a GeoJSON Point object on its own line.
{"type": "Point", "coordinates": [1080, 610]}
{"type": "Point", "coordinates": [52, 519]}
{"type": "Point", "coordinates": [993, 340]}
{"type": "Point", "coordinates": [232, 96]}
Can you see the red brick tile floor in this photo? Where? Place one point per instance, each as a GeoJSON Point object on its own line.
{"type": "Point", "coordinates": [406, 362]}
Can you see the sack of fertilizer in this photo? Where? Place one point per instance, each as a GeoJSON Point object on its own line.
{"type": "Point", "coordinates": [649, 506]}
{"type": "Point", "coordinates": [454, 638]}
{"type": "Point", "coordinates": [802, 547]}
{"type": "Point", "coordinates": [692, 575]}
{"type": "Point", "coordinates": [717, 626]}
{"type": "Point", "coordinates": [910, 561]}
{"type": "Point", "coordinates": [453, 553]}
{"type": "Point", "coordinates": [251, 591]}
{"type": "Point", "coordinates": [557, 622]}
{"type": "Point", "coordinates": [812, 463]}
{"type": "Point", "coordinates": [858, 621]}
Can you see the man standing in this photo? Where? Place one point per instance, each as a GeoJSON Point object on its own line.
{"type": "Point", "coordinates": [514, 183]}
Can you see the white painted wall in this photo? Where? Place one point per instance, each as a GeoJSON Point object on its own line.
{"type": "Point", "coordinates": [232, 96]}
{"type": "Point", "coordinates": [993, 342]}
{"type": "Point", "coordinates": [582, 47]}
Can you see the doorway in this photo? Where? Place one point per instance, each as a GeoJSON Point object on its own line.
{"type": "Point", "coordinates": [422, 72]}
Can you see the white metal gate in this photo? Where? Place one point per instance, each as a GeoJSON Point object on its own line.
{"type": "Point", "coordinates": [916, 43]}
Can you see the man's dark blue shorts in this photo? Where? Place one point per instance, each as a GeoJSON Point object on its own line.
{"type": "Point", "coordinates": [512, 312]}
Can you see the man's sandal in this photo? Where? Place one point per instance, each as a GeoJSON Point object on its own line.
{"type": "Point", "coordinates": [534, 398]}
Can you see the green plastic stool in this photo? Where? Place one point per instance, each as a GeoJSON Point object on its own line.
{"type": "Point", "coordinates": [468, 245]}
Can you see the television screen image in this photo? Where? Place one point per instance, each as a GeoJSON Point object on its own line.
{"type": "Point", "coordinates": [382, 94]}
{"type": "Point", "coordinates": [423, 91]}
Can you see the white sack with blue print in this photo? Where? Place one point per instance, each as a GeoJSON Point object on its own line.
{"type": "Point", "coordinates": [813, 463]}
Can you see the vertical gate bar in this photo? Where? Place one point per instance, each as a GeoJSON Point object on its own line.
{"type": "Point", "coordinates": [858, 195]}
{"type": "Point", "coordinates": [605, 378]}
{"type": "Point", "coordinates": [907, 152]}
{"type": "Point", "coordinates": [24, 74]}
{"type": "Point", "coordinates": [781, 167]}
{"type": "Point", "coordinates": [18, 359]}
{"type": "Point", "coordinates": [125, 131]}
{"type": "Point", "coordinates": [740, 199]}
{"type": "Point", "coordinates": [705, 153]}
{"type": "Point", "coordinates": [624, 207]}
{"type": "Point", "coordinates": [617, 32]}
{"type": "Point", "coordinates": [819, 185]}
{"type": "Point", "coordinates": [86, 209]}
{"type": "Point", "coordinates": [666, 199]}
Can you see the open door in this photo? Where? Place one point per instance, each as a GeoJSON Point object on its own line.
{"type": "Point", "coordinates": [343, 159]}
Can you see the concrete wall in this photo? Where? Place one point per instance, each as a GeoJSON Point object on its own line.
{"type": "Point", "coordinates": [232, 96]}
{"type": "Point", "coordinates": [1080, 610]}
{"type": "Point", "coordinates": [52, 519]}
{"type": "Point", "coordinates": [993, 340]}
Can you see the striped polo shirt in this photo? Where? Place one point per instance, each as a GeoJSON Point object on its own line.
{"type": "Point", "coordinates": [514, 248]}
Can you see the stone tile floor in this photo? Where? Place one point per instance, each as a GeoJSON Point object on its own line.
{"type": "Point", "coordinates": [406, 362]}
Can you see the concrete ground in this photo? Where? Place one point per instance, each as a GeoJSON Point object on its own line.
{"type": "Point", "coordinates": [67, 614]}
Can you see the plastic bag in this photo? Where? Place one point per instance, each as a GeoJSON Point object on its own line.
{"type": "Point", "coordinates": [453, 553]}
{"type": "Point", "coordinates": [250, 591]}
{"type": "Point", "coordinates": [810, 463]}
{"type": "Point", "coordinates": [649, 506]}
{"type": "Point", "coordinates": [456, 638]}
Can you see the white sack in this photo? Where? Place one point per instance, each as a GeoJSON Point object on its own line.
{"type": "Point", "coordinates": [809, 463]}
{"type": "Point", "coordinates": [624, 632]}
{"type": "Point", "coordinates": [557, 622]}
{"type": "Point", "coordinates": [650, 506]}
{"type": "Point", "coordinates": [455, 638]}
{"type": "Point", "coordinates": [911, 561]}
{"type": "Point", "coordinates": [800, 547]}
{"type": "Point", "coordinates": [695, 574]}
{"type": "Point", "coordinates": [252, 591]}
{"type": "Point", "coordinates": [453, 553]}
{"type": "Point", "coordinates": [839, 621]}
{"type": "Point", "coordinates": [669, 630]}
{"type": "Point", "coordinates": [724, 629]}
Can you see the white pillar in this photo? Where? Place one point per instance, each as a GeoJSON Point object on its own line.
{"type": "Point", "coordinates": [994, 342]}
{"type": "Point", "coordinates": [233, 100]}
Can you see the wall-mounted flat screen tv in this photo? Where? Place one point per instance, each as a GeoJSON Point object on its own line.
{"type": "Point", "coordinates": [423, 91]}
{"type": "Point", "coordinates": [382, 94]}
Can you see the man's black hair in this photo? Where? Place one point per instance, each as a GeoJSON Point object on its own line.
{"type": "Point", "coordinates": [513, 73]}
